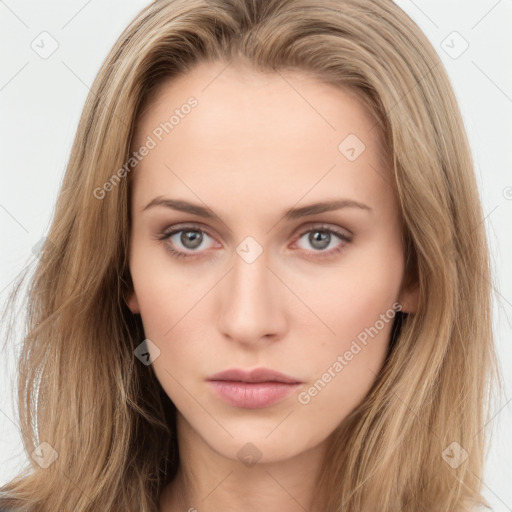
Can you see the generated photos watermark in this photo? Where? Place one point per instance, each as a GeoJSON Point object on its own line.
{"type": "Point", "coordinates": [150, 143]}
{"type": "Point", "coordinates": [305, 397]}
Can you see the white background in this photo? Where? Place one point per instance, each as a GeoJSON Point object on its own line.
{"type": "Point", "coordinates": [41, 101]}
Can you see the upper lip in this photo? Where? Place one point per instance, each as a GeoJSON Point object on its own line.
{"type": "Point", "coordinates": [256, 375]}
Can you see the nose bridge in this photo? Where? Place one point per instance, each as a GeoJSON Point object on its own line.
{"type": "Point", "coordinates": [250, 304]}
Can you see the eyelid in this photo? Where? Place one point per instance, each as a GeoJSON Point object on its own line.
{"type": "Point", "coordinates": [322, 226]}
{"type": "Point", "coordinates": [175, 228]}
{"type": "Point", "coordinates": [337, 231]}
{"type": "Point", "coordinates": [303, 229]}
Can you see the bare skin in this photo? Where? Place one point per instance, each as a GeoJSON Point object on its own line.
{"type": "Point", "coordinates": [252, 148]}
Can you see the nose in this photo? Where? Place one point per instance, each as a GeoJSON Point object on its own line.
{"type": "Point", "coordinates": [252, 309]}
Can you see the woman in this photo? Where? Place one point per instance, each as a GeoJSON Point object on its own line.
{"type": "Point", "coordinates": [192, 343]}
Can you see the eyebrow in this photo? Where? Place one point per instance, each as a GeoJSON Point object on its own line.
{"type": "Point", "coordinates": [290, 214]}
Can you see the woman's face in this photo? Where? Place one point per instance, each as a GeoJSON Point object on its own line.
{"type": "Point", "coordinates": [273, 192]}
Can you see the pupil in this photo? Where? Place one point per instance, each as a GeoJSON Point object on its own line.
{"type": "Point", "coordinates": [320, 242]}
{"type": "Point", "coordinates": [191, 239]}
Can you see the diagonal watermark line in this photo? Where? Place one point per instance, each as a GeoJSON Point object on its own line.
{"type": "Point", "coordinates": [232, 267]}
{"type": "Point", "coordinates": [293, 410]}
{"type": "Point", "coordinates": [76, 485]}
{"type": "Point", "coordinates": [9, 284]}
{"type": "Point", "coordinates": [494, 416]}
{"type": "Point", "coordinates": [428, 72]}
{"type": "Point", "coordinates": [285, 490]}
{"type": "Point", "coordinates": [165, 165]}
{"type": "Point", "coordinates": [13, 13]}
{"type": "Point", "coordinates": [485, 15]}
{"type": "Point", "coordinates": [79, 422]}
{"type": "Point", "coordinates": [424, 14]}
{"type": "Point", "coordinates": [367, 479]}
{"type": "Point", "coordinates": [14, 76]}
{"type": "Point", "coordinates": [301, 300]}
{"type": "Point", "coordinates": [211, 288]}
{"type": "Point", "coordinates": [409, 90]}
{"type": "Point", "coordinates": [306, 100]}
{"type": "Point", "coordinates": [491, 80]}
{"type": "Point", "coordinates": [304, 195]}
{"type": "Point", "coordinates": [14, 218]}
{"type": "Point", "coordinates": [76, 14]}
{"type": "Point", "coordinates": [408, 408]}
{"type": "Point", "coordinates": [391, 185]}
{"type": "Point", "coordinates": [76, 75]}
{"type": "Point", "coordinates": [495, 290]}
{"type": "Point", "coordinates": [11, 420]}
{"type": "Point", "coordinates": [200, 404]}
{"type": "Point", "coordinates": [216, 487]}
{"type": "Point", "coordinates": [115, 115]}
{"type": "Point", "coordinates": [476, 227]}
{"type": "Point", "coordinates": [490, 490]}
{"type": "Point", "coordinates": [489, 214]}
{"type": "Point", "coordinates": [216, 76]}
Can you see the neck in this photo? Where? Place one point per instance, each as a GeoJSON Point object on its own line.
{"type": "Point", "coordinates": [208, 481]}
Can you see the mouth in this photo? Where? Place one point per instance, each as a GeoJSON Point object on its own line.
{"type": "Point", "coordinates": [254, 389]}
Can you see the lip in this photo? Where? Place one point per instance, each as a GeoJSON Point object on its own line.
{"type": "Point", "coordinates": [256, 375]}
{"type": "Point", "coordinates": [254, 389]}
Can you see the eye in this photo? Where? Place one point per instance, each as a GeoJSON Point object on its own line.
{"type": "Point", "coordinates": [321, 238]}
{"type": "Point", "coordinates": [191, 238]}
{"type": "Point", "coordinates": [191, 241]}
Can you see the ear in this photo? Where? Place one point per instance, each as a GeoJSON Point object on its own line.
{"type": "Point", "coordinates": [408, 298]}
{"type": "Point", "coordinates": [132, 302]}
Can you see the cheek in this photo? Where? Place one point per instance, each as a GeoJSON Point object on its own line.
{"type": "Point", "coordinates": [164, 291]}
{"type": "Point", "coordinates": [173, 306]}
{"type": "Point", "coordinates": [358, 303]}
{"type": "Point", "coordinates": [354, 296]}
{"type": "Point", "coordinates": [343, 368]}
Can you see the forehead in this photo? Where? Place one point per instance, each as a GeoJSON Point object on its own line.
{"type": "Point", "coordinates": [224, 89]}
{"type": "Point", "coordinates": [276, 135]}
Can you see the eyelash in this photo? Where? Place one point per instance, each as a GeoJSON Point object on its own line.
{"type": "Point", "coordinates": [321, 254]}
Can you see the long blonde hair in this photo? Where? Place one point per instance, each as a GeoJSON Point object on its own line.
{"type": "Point", "coordinates": [82, 391]}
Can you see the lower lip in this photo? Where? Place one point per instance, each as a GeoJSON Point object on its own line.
{"type": "Point", "coordinates": [252, 395]}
